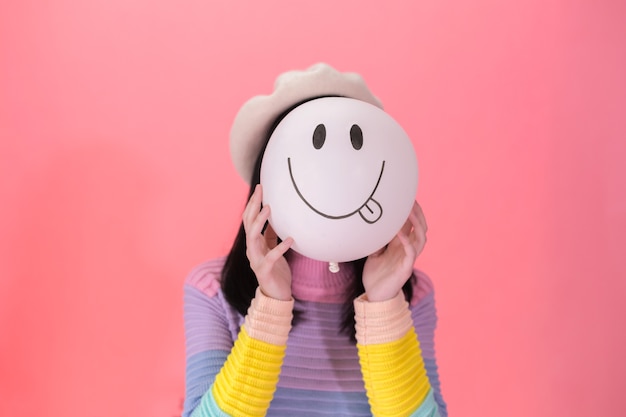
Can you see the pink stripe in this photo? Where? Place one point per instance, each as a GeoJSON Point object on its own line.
{"type": "Point", "coordinates": [206, 277]}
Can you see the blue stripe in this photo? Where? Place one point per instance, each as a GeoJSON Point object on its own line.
{"type": "Point", "coordinates": [204, 366]}
{"type": "Point", "coordinates": [288, 402]}
{"type": "Point", "coordinates": [433, 376]}
{"type": "Point", "coordinates": [201, 371]}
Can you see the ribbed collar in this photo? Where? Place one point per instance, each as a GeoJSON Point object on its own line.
{"type": "Point", "coordinates": [313, 281]}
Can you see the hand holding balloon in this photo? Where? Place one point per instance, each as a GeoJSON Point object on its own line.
{"type": "Point", "coordinates": [387, 270]}
{"type": "Point", "coordinates": [265, 255]}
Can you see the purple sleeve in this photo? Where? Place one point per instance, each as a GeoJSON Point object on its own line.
{"type": "Point", "coordinates": [424, 314]}
{"type": "Point", "coordinates": [211, 326]}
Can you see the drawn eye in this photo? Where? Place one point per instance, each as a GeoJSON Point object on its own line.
{"type": "Point", "coordinates": [319, 136]}
{"type": "Point", "coordinates": [356, 137]}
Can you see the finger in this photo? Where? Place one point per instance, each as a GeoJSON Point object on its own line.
{"type": "Point", "coordinates": [256, 245]}
{"type": "Point", "coordinates": [252, 208]}
{"type": "Point", "coordinates": [419, 227]}
{"type": "Point", "coordinates": [410, 219]}
{"type": "Point", "coordinates": [417, 239]}
{"type": "Point", "coordinates": [420, 216]}
{"type": "Point", "coordinates": [413, 220]}
{"type": "Point", "coordinates": [280, 249]}
{"type": "Point", "coordinates": [408, 225]}
{"type": "Point", "coordinates": [255, 228]}
{"type": "Point", "coordinates": [409, 247]}
{"type": "Point", "coordinates": [417, 236]}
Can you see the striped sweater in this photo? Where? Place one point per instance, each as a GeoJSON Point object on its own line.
{"type": "Point", "coordinates": [261, 364]}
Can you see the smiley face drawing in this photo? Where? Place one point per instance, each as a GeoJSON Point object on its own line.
{"type": "Point", "coordinates": [340, 177]}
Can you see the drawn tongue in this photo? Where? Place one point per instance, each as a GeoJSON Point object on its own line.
{"type": "Point", "coordinates": [371, 211]}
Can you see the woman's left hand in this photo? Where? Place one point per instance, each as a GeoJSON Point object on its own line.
{"type": "Point", "coordinates": [387, 270]}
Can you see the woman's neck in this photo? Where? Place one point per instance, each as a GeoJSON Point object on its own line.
{"type": "Point", "coordinates": [313, 281]}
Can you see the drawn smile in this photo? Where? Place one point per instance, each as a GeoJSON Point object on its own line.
{"type": "Point", "coordinates": [370, 211]}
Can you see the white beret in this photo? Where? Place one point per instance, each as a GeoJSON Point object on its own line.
{"type": "Point", "coordinates": [253, 121]}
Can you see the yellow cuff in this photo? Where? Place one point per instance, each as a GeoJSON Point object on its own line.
{"type": "Point", "coordinates": [394, 375]}
{"type": "Point", "coordinates": [245, 386]}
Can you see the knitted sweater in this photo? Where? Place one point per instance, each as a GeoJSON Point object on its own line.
{"type": "Point", "coordinates": [261, 364]}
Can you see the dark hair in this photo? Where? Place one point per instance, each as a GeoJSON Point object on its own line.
{"type": "Point", "coordinates": [238, 280]}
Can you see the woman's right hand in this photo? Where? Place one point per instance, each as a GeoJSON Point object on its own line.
{"type": "Point", "coordinates": [265, 255]}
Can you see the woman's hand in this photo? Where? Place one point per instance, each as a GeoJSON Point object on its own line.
{"type": "Point", "coordinates": [387, 270]}
{"type": "Point", "coordinates": [265, 255]}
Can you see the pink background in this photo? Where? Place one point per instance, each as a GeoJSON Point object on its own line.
{"type": "Point", "coordinates": [116, 181]}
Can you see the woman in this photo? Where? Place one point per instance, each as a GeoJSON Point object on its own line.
{"type": "Point", "coordinates": [271, 332]}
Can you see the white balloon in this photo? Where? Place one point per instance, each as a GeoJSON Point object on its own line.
{"type": "Point", "coordinates": [340, 177]}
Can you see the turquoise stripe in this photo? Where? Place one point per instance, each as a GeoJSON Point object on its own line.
{"type": "Point", "coordinates": [209, 408]}
{"type": "Point", "coordinates": [428, 408]}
